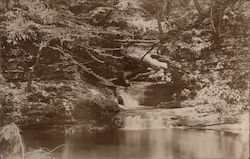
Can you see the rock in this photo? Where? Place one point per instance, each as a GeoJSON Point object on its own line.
{"type": "Point", "coordinates": [121, 80]}
{"type": "Point", "coordinates": [40, 96]}
{"type": "Point", "coordinates": [120, 100]}
{"type": "Point", "coordinates": [11, 142]}
{"type": "Point", "coordinates": [173, 118]}
{"type": "Point", "coordinates": [169, 105]}
{"type": "Point", "coordinates": [100, 110]}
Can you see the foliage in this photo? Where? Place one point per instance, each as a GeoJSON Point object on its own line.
{"type": "Point", "coordinates": [20, 29]}
{"type": "Point", "coordinates": [209, 71]}
{"type": "Point", "coordinates": [84, 35]}
{"type": "Point", "coordinates": [101, 15]}
{"type": "Point", "coordinates": [27, 21]}
{"type": "Point", "coordinates": [11, 99]}
{"type": "Point", "coordinates": [224, 100]}
{"type": "Point", "coordinates": [154, 6]}
{"type": "Point", "coordinates": [38, 11]}
{"type": "Point", "coordinates": [97, 108]}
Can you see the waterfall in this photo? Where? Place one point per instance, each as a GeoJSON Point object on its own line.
{"type": "Point", "coordinates": [132, 122]}
{"type": "Point", "coordinates": [128, 100]}
{"type": "Point", "coordinates": [138, 117]}
{"type": "Point", "coordinates": [151, 120]}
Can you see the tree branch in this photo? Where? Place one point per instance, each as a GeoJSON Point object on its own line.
{"type": "Point", "coordinates": [114, 57]}
{"type": "Point", "coordinates": [93, 57]}
{"type": "Point", "coordinates": [152, 47]}
{"type": "Point", "coordinates": [211, 16]}
{"type": "Point", "coordinates": [31, 74]}
{"type": "Point", "coordinates": [135, 41]}
{"type": "Point", "coordinates": [199, 9]}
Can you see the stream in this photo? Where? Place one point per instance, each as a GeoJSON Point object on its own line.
{"type": "Point", "coordinates": [144, 144]}
{"type": "Point", "coordinates": [143, 136]}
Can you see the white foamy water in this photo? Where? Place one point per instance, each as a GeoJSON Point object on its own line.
{"type": "Point", "coordinates": [146, 121]}
{"type": "Point", "coordinates": [129, 101]}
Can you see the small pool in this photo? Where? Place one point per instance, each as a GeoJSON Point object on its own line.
{"type": "Point", "coordinates": [144, 144]}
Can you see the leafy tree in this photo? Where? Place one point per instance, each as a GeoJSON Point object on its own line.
{"type": "Point", "coordinates": [158, 9]}
{"type": "Point", "coordinates": [217, 10]}
{"type": "Point", "coordinates": [30, 21]}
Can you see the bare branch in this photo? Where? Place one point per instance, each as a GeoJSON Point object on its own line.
{"type": "Point", "coordinates": [108, 55]}
{"type": "Point", "coordinates": [96, 59]}
{"type": "Point", "coordinates": [135, 41]}
{"type": "Point", "coordinates": [211, 16]}
{"type": "Point", "coordinates": [153, 46]}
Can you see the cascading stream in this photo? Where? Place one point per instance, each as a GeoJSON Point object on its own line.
{"type": "Point", "coordinates": [149, 120]}
{"type": "Point", "coordinates": [128, 100]}
{"type": "Point", "coordinates": [142, 117]}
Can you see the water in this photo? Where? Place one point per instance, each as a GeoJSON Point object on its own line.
{"type": "Point", "coordinates": [144, 144]}
{"type": "Point", "coordinates": [149, 95]}
{"type": "Point", "coordinates": [145, 136]}
{"type": "Point", "coordinates": [130, 102]}
{"type": "Point", "coordinates": [149, 120]}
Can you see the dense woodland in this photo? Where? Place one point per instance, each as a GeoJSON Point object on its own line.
{"type": "Point", "coordinates": [62, 60]}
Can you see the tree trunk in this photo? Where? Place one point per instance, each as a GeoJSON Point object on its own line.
{"type": "Point", "coordinates": [158, 17]}
{"type": "Point", "coordinates": [159, 20]}
{"type": "Point", "coordinates": [216, 12]}
{"type": "Point", "coordinates": [31, 74]}
{"type": "Point", "coordinates": [202, 11]}
{"type": "Point", "coordinates": [198, 7]}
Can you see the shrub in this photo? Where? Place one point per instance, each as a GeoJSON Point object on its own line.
{"type": "Point", "coordinates": [222, 98]}
{"type": "Point", "coordinates": [27, 21]}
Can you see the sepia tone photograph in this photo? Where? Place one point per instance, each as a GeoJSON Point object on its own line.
{"type": "Point", "coordinates": [124, 79]}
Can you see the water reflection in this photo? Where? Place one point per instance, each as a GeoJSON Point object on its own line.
{"type": "Point", "coordinates": [146, 144]}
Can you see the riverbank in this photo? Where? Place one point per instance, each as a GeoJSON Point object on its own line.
{"type": "Point", "coordinates": [192, 118]}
